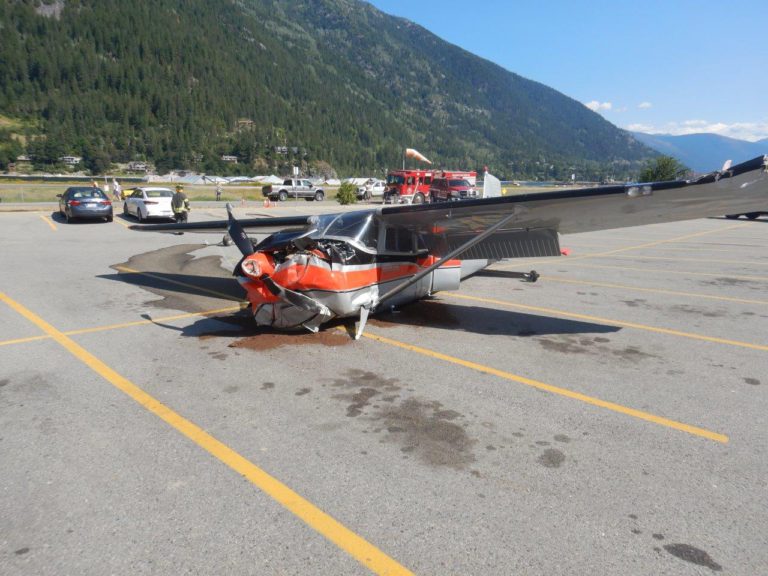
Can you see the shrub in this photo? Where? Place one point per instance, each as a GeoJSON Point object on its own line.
{"type": "Point", "coordinates": [347, 193]}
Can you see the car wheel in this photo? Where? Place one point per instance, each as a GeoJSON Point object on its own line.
{"type": "Point", "coordinates": [110, 218]}
{"type": "Point", "coordinates": [418, 198]}
{"type": "Point", "coordinates": [138, 214]}
{"type": "Point", "coordinates": [282, 196]}
{"type": "Point", "coordinates": [319, 196]}
{"type": "Point", "coordinates": [752, 215]}
{"type": "Point", "coordinates": [67, 218]}
{"type": "Point", "coordinates": [125, 208]}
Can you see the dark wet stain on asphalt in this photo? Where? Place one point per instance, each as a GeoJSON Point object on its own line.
{"type": "Point", "coordinates": [697, 310]}
{"type": "Point", "coordinates": [4, 382]}
{"type": "Point", "coordinates": [752, 381]}
{"type": "Point", "coordinates": [567, 344]}
{"type": "Point", "coordinates": [21, 551]}
{"type": "Point", "coordinates": [551, 458]}
{"type": "Point", "coordinates": [693, 555]}
{"type": "Point", "coordinates": [422, 428]}
{"type": "Point", "coordinates": [183, 281]}
{"type": "Point", "coordinates": [303, 391]}
{"type": "Point", "coordinates": [269, 340]}
{"type": "Point", "coordinates": [267, 385]}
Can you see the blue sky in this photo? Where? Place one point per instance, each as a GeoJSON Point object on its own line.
{"type": "Point", "coordinates": [674, 67]}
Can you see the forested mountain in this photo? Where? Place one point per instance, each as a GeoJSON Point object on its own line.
{"type": "Point", "coordinates": [181, 83]}
{"type": "Point", "coordinates": [704, 152]}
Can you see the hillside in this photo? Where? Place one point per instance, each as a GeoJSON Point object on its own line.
{"type": "Point", "coordinates": [704, 152]}
{"type": "Point", "coordinates": [337, 81]}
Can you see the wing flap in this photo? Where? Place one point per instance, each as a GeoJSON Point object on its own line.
{"type": "Point", "coordinates": [502, 244]}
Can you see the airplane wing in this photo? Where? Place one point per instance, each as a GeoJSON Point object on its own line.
{"type": "Point", "coordinates": [536, 219]}
{"type": "Point", "coordinates": [260, 225]}
{"type": "Point", "coordinates": [532, 222]}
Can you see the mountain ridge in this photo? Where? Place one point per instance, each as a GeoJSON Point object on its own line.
{"type": "Point", "coordinates": [704, 152]}
{"type": "Point", "coordinates": [337, 80]}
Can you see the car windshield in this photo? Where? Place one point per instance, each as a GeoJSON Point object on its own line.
{"type": "Point", "coordinates": [159, 194]}
{"type": "Point", "coordinates": [458, 183]}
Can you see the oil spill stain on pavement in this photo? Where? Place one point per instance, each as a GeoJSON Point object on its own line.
{"type": "Point", "coordinates": [567, 344]}
{"type": "Point", "coordinates": [693, 555]}
{"type": "Point", "coordinates": [4, 382]}
{"type": "Point", "coordinates": [551, 458]}
{"type": "Point", "coordinates": [183, 281]}
{"type": "Point", "coordinates": [752, 381]}
{"type": "Point", "coordinates": [697, 310]}
{"type": "Point", "coordinates": [422, 428]}
{"type": "Point", "coordinates": [269, 340]}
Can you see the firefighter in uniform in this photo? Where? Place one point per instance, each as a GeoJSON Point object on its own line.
{"type": "Point", "coordinates": [180, 204]}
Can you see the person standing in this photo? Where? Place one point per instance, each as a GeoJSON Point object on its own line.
{"type": "Point", "coordinates": [218, 192]}
{"type": "Point", "coordinates": [180, 204]}
{"type": "Point", "coordinates": [116, 190]}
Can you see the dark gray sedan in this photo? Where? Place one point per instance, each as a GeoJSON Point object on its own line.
{"type": "Point", "coordinates": [85, 202]}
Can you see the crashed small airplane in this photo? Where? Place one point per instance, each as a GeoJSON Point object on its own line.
{"type": "Point", "coordinates": [311, 269]}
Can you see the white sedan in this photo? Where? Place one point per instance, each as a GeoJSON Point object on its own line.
{"type": "Point", "coordinates": [147, 203]}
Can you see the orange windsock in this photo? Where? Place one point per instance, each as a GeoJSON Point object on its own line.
{"type": "Point", "coordinates": [411, 153]}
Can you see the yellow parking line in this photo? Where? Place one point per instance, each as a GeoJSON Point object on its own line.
{"type": "Point", "coordinates": [119, 221]}
{"type": "Point", "coordinates": [670, 259]}
{"type": "Point", "coordinates": [652, 290]}
{"type": "Point", "coordinates": [48, 221]}
{"type": "Point", "coordinates": [635, 247]}
{"type": "Point", "coordinates": [609, 321]}
{"type": "Point", "coordinates": [696, 431]}
{"type": "Point", "coordinates": [23, 340]}
{"type": "Point", "coordinates": [125, 325]}
{"type": "Point", "coordinates": [660, 271]}
{"type": "Point", "coordinates": [668, 240]}
{"type": "Point", "coordinates": [334, 531]}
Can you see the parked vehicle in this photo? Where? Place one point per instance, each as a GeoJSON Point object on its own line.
{"type": "Point", "coordinates": [412, 186]}
{"type": "Point", "coordinates": [372, 188]}
{"type": "Point", "coordinates": [749, 215]}
{"type": "Point", "coordinates": [149, 202]}
{"type": "Point", "coordinates": [85, 202]}
{"type": "Point", "coordinates": [293, 188]}
{"type": "Point", "coordinates": [444, 189]}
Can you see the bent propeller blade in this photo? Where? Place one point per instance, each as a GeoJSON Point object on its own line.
{"type": "Point", "coordinates": [238, 235]}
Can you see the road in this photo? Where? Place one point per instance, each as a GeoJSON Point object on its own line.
{"type": "Point", "coordinates": [608, 419]}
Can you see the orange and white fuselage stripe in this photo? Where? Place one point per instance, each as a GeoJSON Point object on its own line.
{"type": "Point", "coordinates": [342, 288]}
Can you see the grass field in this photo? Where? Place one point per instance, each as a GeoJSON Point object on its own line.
{"type": "Point", "coordinates": [13, 192]}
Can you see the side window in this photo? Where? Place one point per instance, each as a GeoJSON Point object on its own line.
{"type": "Point", "coordinates": [428, 180]}
{"type": "Point", "coordinates": [398, 240]}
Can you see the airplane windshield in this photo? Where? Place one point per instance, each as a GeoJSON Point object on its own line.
{"type": "Point", "coordinates": [360, 227]}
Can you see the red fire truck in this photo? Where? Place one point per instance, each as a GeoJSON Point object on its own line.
{"type": "Point", "coordinates": [412, 186]}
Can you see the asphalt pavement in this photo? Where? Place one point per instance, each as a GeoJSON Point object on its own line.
{"type": "Point", "coordinates": [607, 419]}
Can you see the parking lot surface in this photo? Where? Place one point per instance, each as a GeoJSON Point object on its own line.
{"type": "Point", "coordinates": [608, 419]}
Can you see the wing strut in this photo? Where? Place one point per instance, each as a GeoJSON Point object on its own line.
{"type": "Point", "coordinates": [451, 255]}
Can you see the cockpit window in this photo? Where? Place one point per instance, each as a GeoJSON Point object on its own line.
{"type": "Point", "coordinates": [361, 227]}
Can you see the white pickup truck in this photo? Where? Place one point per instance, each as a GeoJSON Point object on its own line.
{"type": "Point", "coordinates": [293, 188]}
